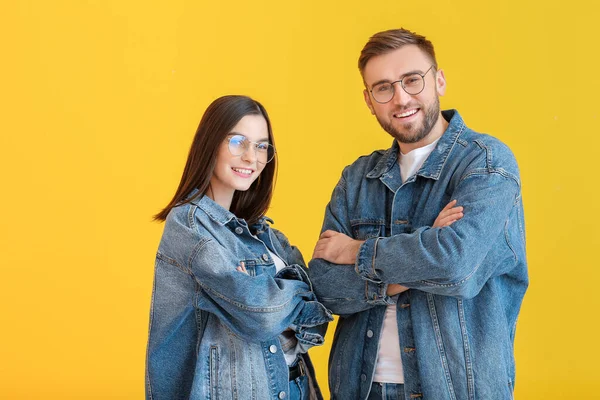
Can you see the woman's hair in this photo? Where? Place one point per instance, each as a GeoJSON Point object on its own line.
{"type": "Point", "coordinates": [217, 122]}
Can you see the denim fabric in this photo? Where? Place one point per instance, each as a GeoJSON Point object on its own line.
{"type": "Point", "coordinates": [299, 389]}
{"type": "Point", "coordinates": [214, 330]}
{"type": "Point", "coordinates": [457, 323]}
{"type": "Point", "coordinates": [386, 391]}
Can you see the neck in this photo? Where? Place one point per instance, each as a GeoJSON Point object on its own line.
{"type": "Point", "coordinates": [221, 197]}
{"type": "Point", "coordinates": [436, 132]}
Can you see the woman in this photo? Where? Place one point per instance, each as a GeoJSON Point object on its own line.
{"type": "Point", "coordinates": [233, 312]}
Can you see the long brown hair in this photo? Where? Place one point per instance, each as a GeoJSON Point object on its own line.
{"type": "Point", "coordinates": [217, 122]}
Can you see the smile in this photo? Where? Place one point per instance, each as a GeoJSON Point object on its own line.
{"type": "Point", "coordinates": [243, 171]}
{"type": "Point", "coordinates": [406, 113]}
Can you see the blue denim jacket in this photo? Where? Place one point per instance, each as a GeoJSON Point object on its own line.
{"type": "Point", "coordinates": [214, 330]}
{"type": "Point", "coordinates": [457, 323]}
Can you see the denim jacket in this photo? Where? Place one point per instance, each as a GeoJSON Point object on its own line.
{"type": "Point", "coordinates": [214, 330]}
{"type": "Point", "coordinates": [457, 322]}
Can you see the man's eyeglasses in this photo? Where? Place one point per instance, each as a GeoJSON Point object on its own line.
{"type": "Point", "coordinates": [239, 144]}
{"type": "Point", "coordinates": [412, 84]}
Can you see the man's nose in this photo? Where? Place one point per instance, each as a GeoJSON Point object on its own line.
{"type": "Point", "coordinates": [400, 95]}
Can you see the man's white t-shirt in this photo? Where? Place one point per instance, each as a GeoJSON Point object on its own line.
{"type": "Point", "coordinates": [389, 363]}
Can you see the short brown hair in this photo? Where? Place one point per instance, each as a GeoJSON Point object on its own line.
{"type": "Point", "coordinates": [217, 122]}
{"type": "Point", "coordinates": [387, 41]}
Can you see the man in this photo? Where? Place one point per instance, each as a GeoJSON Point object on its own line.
{"type": "Point", "coordinates": [451, 335]}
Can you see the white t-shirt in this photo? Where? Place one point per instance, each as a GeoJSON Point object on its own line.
{"type": "Point", "coordinates": [389, 363]}
{"type": "Point", "coordinates": [287, 339]}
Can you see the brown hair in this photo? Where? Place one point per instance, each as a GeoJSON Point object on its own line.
{"type": "Point", "coordinates": [217, 122]}
{"type": "Point", "coordinates": [387, 41]}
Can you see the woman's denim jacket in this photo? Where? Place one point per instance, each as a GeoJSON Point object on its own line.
{"type": "Point", "coordinates": [214, 330]}
{"type": "Point", "coordinates": [457, 323]}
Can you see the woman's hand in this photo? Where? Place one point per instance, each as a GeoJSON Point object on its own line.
{"type": "Point", "coordinates": [242, 268]}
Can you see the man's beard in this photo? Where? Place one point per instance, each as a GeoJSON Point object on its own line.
{"type": "Point", "coordinates": [431, 116]}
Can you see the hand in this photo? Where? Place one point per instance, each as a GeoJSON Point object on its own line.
{"type": "Point", "coordinates": [394, 288]}
{"type": "Point", "coordinates": [242, 268]}
{"type": "Point", "coordinates": [337, 248]}
{"type": "Point", "coordinates": [448, 215]}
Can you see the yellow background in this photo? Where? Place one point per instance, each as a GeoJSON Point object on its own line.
{"type": "Point", "coordinates": [99, 103]}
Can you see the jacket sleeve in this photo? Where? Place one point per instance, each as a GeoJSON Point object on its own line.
{"type": "Point", "coordinates": [451, 260]}
{"type": "Point", "coordinates": [175, 324]}
{"type": "Point", "coordinates": [308, 335]}
{"type": "Point", "coordinates": [257, 308]}
{"type": "Point", "coordinates": [339, 287]}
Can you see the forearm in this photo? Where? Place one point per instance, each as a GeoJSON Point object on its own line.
{"type": "Point", "coordinates": [447, 260]}
{"type": "Point", "coordinates": [342, 290]}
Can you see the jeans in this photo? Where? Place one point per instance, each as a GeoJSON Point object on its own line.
{"type": "Point", "coordinates": [386, 391]}
{"type": "Point", "coordinates": [299, 388]}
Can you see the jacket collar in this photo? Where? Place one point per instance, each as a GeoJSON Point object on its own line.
{"type": "Point", "coordinates": [432, 167]}
{"type": "Point", "coordinates": [222, 216]}
{"type": "Point", "coordinates": [215, 212]}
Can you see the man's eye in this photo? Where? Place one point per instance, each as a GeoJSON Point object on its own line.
{"type": "Point", "coordinates": [412, 80]}
{"type": "Point", "coordinates": [383, 88]}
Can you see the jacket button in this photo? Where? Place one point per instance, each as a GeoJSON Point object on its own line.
{"type": "Point", "coordinates": [273, 349]}
{"type": "Point", "coordinates": [363, 377]}
{"type": "Point", "coordinates": [281, 395]}
{"type": "Point", "coordinates": [370, 333]}
{"type": "Point", "coordinates": [239, 230]}
{"type": "Point", "coordinates": [265, 257]}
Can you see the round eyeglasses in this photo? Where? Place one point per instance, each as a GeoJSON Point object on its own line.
{"type": "Point", "coordinates": [239, 144]}
{"type": "Point", "coordinates": [412, 84]}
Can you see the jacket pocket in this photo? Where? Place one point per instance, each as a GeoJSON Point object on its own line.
{"type": "Point", "coordinates": [214, 372]}
{"type": "Point", "coordinates": [367, 228]}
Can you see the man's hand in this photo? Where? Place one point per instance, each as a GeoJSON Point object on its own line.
{"type": "Point", "coordinates": [337, 248]}
{"type": "Point", "coordinates": [448, 215]}
{"type": "Point", "coordinates": [394, 288]}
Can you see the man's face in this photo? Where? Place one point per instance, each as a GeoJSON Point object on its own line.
{"type": "Point", "coordinates": [408, 118]}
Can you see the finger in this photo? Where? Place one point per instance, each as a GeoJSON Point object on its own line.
{"type": "Point", "coordinates": [445, 221]}
{"type": "Point", "coordinates": [451, 211]}
{"type": "Point", "coordinates": [452, 220]}
{"type": "Point", "coordinates": [328, 233]}
{"type": "Point", "coordinates": [449, 205]}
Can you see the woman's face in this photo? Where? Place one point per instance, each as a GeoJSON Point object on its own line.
{"type": "Point", "coordinates": [237, 172]}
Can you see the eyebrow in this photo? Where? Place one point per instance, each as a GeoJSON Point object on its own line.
{"type": "Point", "coordinates": [241, 134]}
{"type": "Point", "coordinates": [413, 72]}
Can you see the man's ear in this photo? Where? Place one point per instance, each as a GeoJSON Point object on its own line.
{"type": "Point", "coordinates": [368, 101]}
{"type": "Point", "coordinates": [440, 82]}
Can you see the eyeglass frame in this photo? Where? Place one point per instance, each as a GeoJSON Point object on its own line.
{"type": "Point", "coordinates": [402, 85]}
{"type": "Point", "coordinates": [231, 136]}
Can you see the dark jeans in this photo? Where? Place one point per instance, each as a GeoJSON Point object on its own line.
{"type": "Point", "coordinates": [386, 391]}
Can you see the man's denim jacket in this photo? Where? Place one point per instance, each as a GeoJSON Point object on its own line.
{"type": "Point", "coordinates": [467, 280]}
{"type": "Point", "coordinates": [214, 330]}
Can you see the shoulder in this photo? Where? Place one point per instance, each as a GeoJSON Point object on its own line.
{"type": "Point", "coordinates": [485, 153]}
{"type": "Point", "coordinates": [184, 232]}
{"type": "Point", "coordinates": [364, 164]}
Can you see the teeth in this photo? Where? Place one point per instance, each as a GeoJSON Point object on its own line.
{"type": "Point", "coordinates": [406, 114]}
{"type": "Point", "coordinates": [243, 171]}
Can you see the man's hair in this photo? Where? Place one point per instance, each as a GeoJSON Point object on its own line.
{"type": "Point", "coordinates": [387, 41]}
